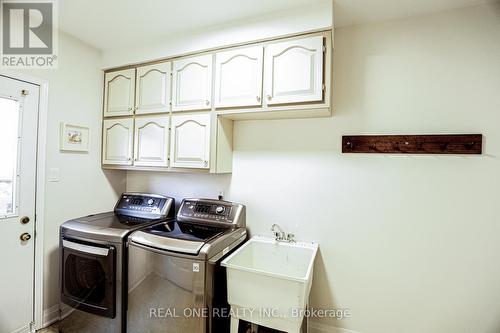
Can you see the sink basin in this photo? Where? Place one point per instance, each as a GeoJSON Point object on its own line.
{"type": "Point", "coordinates": [269, 282]}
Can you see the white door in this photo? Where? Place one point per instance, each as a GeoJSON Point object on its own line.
{"type": "Point", "coordinates": [152, 92]}
{"type": "Point", "coordinates": [190, 142]}
{"type": "Point", "coordinates": [192, 83]}
{"type": "Point", "coordinates": [119, 90]}
{"type": "Point", "coordinates": [151, 141]}
{"type": "Point", "coordinates": [18, 146]}
{"type": "Point", "coordinates": [117, 141]}
{"type": "Point", "coordinates": [294, 71]}
{"type": "Point", "coordinates": [238, 77]}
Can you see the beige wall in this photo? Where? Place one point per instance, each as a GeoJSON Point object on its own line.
{"type": "Point", "coordinates": [408, 243]}
{"type": "Point", "coordinates": [75, 91]}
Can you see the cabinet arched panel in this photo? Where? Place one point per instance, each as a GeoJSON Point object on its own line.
{"type": "Point", "coordinates": [238, 77]}
{"type": "Point", "coordinates": [294, 71]}
{"type": "Point", "coordinates": [153, 88]}
{"type": "Point", "coordinates": [192, 83]}
{"type": "Point", "coordinates": [119, 93]}
{"type": "Point", "coordinates": [117, 142]}
{"type": "Point", "coordinates": [151, 141]}
{"type": "Point", "coordinates": [190, 142]}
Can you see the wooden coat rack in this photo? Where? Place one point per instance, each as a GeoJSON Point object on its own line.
{"type": "Point", "coordinates": [413, 144]}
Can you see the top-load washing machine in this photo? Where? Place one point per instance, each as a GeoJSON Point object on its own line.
{"type": "Point", "coordinates": [176, 283]}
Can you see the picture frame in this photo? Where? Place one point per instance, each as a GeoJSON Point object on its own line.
{"type": "Point", "coordinates": [74, 138]}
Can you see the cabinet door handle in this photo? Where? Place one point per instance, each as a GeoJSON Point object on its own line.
{"type": "Point", "coordinates": [205, 163]}
{"type": "Point", "coordinates": [258, 98]}
{"type": "Point", "coordinates": [269, 97]}
{"type": "Point", "coordinates": [207, 102]}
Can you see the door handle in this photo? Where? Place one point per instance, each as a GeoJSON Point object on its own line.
{"type": "Point", "coordinates": [25, 237]}
{"type": "Point", "coordinates": [100, 251]}
{"type": "Point", "coordinates": [25, 220]}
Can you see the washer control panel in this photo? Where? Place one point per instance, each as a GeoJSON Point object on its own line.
{"type": "Point", "coordinates": [144, 205]}
{"type": "Point", "coordinates": [211, 211]}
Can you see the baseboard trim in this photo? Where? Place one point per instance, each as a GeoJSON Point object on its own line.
{"type": "Point", "coordinates": [316, 327]}
{"type": "Point", "coordinates": [50, 316]}
{"type": "Point", "coordinates": [24, 329]}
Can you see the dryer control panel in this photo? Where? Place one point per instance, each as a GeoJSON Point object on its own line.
{"type": "Point", "coordinates": [149, 206]}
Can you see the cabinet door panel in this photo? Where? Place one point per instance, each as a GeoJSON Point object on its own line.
{"type": "Point", "coordinates": [238, 77]}
{"type": "Point", "coordinates": [153, 88]}
{"type": "Point", "coordinates": [192, 83]}
{"type": "Point", "coordinates": [294, 71]}
{"type": "Point", "coordinates": [119, 93]}
{"type": "Point", "coordinates": [151, 141]}
{"type": "Point", "coordinates": [190, 142]}
{"type": "Point", "coordinates": [117, 141]}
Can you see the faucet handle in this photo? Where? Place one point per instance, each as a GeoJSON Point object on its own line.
{"type": "Point", "coordinates": [277, 235]}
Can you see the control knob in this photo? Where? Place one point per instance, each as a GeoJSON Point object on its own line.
{"type": "Point", "coordinates": [151, 202]}
{"type": "Point", "coordinates": [220, 209]}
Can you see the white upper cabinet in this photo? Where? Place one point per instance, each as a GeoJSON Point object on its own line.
{"type": "Point", "coordinates": [152, 92]}
{"type": "Point", "coordinates": [151, 141]}
{"type": "Point", "coordinates": [294, 71]}
{"type": "Point", "coordinates": [192, 83]}
{"type": "Point", "coordinates": [238, 77]}
{"type": "Point", "coordinates": [190, 142]}
{"type": "Point", "coordinates": [117, 139]}
{"type": "Point", "coordinates": [119, 93]}
{"type": "Point", "coordinates": [179, 112]}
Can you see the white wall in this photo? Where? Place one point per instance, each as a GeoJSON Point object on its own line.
{"type": "Point", "coordinates": [297, 20]}
{"type": "Point", "coordinates": [408, 243]}
{"type": "Point", "coordinates": [75, 96]}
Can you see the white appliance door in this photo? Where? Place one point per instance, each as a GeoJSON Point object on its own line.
{"type": "Point", "coordinates": [18, 144]}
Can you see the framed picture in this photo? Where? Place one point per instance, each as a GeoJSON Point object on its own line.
{"type": "Point", "coordinates": [74, 138]}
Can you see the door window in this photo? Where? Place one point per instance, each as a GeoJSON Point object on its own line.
{"type": "Point", "coordinates": [89, 280]}
{"type": "Point", "coordinates": [9, 132]}
{"type": "Point", "coordinates": [84, 279]}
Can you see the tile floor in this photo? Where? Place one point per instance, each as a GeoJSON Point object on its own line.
{"type": "Point", "coordinates": [54, 328]}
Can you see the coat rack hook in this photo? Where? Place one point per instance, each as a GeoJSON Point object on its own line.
{"type": "Point", "coordinates": [469, 145]}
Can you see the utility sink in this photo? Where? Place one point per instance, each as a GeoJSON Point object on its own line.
{"type": "Point", "coordinates": [269, 282]}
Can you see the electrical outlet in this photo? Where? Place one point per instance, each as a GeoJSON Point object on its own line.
{"type": "Point", "coordinates": [221, 194]}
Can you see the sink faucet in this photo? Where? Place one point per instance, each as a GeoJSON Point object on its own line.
{"type": "Point", "coordinates": [282, 236]}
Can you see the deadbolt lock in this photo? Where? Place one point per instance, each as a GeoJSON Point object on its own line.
{"type": "Point", "coordinates": [25, 237]}
{"type": "Point", "coordinates": [24, 220]}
